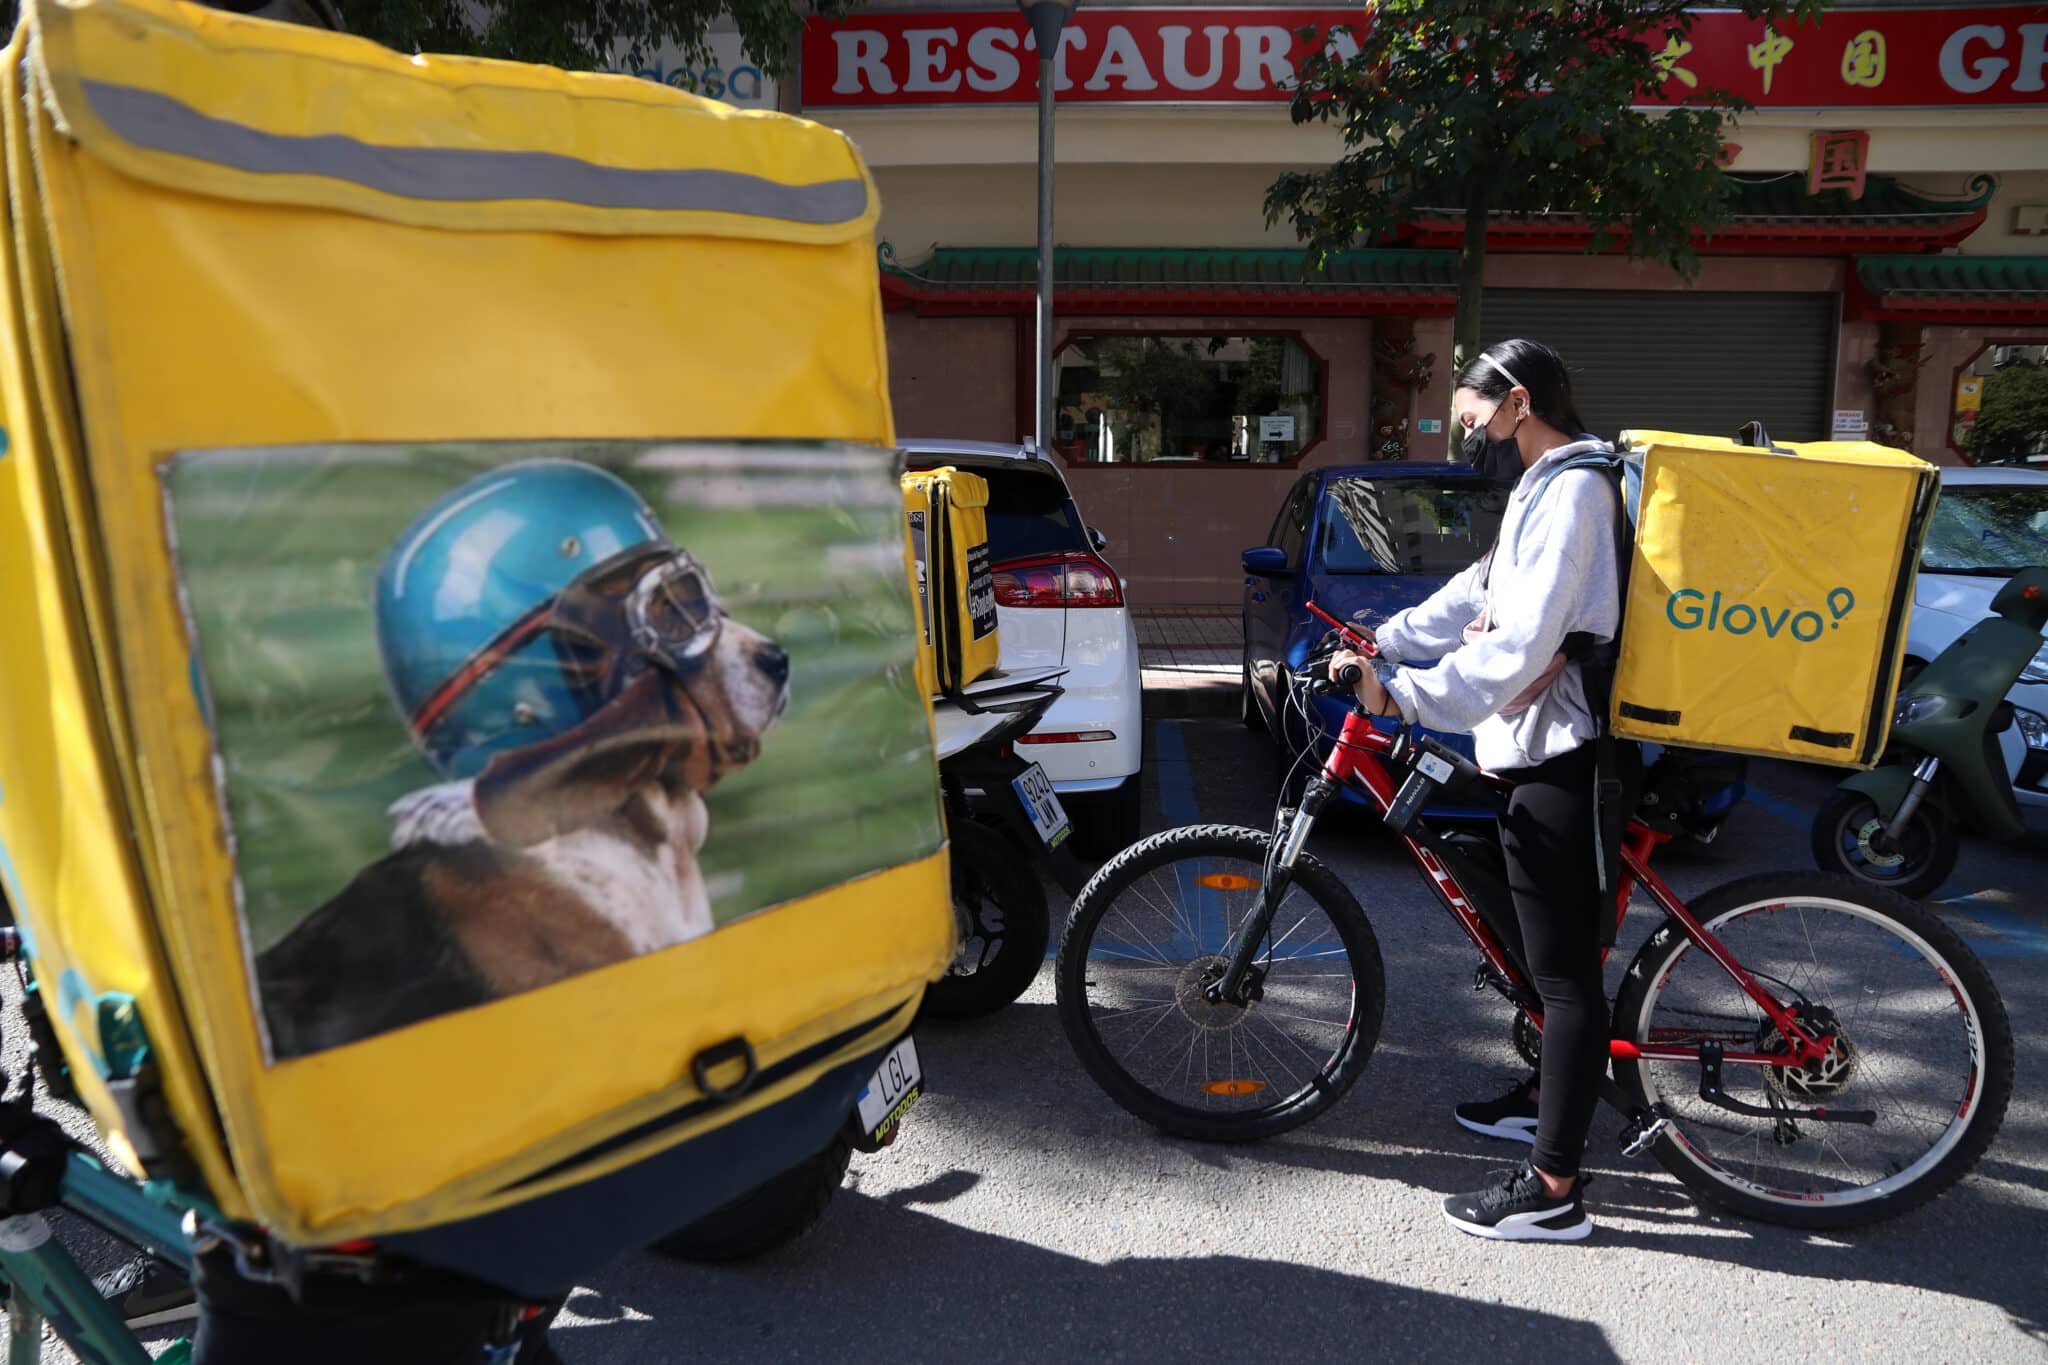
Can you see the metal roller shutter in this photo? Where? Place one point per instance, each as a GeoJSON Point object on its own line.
{"type": "Point", "coordinates": [1678, 360]}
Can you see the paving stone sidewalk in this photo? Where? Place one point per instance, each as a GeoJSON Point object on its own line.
{"type": "Point", "coordinates": [1191, 658]}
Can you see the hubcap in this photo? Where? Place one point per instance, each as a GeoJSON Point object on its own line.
{"type": "Point", "coordinates": [1872, 846]}
{"type": "Point", "coordinates": [980, 922]}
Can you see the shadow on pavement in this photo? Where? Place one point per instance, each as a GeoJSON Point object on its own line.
{"type": "Point", "coordinates": [1940, 1246]}
{"type": "Point", "coordinates": [954, 1294]}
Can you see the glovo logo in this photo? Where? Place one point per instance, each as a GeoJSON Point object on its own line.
{"type": "Point", "coordinates": [1691, 609]}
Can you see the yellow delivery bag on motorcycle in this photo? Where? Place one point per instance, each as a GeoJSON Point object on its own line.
{"type": "Point", "coordinates": [462, 772]}
{"type": "Point", "coordinates": [1768, 594]}
{"type": "Point", "coordinates": [945, 515]}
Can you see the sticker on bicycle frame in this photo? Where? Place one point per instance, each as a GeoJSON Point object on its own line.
{"type": "Point", "coordinates": [1434, 768]}
{"type": "Point", "coordinates": [1233, 1088]}
{"type": "Point", "coordinates": [24, 1233]}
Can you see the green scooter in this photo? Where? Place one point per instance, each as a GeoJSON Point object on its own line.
{"type": "Point", "coordinates": [1896, 826]}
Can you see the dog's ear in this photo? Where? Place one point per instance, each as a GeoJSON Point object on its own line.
{"type": "Point", "coordinates": [584, 775]}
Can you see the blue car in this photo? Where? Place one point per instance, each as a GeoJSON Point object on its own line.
{"type": "Point", "coordinates": [1362, 542]}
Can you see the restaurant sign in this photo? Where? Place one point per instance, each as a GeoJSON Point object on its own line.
{"type": "Point", "coordinates": [1851, 58]}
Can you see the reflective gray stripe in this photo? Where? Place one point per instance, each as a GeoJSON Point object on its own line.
{"type": "Point", "coordinates": [460, 175]}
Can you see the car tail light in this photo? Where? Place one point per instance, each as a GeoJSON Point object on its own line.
{"type": "Point", "coordinates": [1075, 579]}
{"type": "Point", "coordinates": [1069, 737]}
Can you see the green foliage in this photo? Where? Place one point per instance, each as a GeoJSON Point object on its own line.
{"type": "Point", "coordinates": [1480, 105]}
{"type": "Point", "coordinates": [581, 35]}
{"type": "Point", "coordinates": [2013, 422]}
{"type": "Point", "coordinates": [578, 34]}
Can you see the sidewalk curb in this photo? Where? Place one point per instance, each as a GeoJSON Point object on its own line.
{"type": "Point", "coordinates": [1189, 702]}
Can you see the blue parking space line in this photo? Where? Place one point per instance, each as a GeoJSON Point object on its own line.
{"type": "Point", "coordinates": [1776, 806]}
{"type": "Point", "coordinates": [2012, 936]}
{"type": "Point", "coordinates": [1178, 808]}
{"type": "Point", "coordinates": [1176, 775]}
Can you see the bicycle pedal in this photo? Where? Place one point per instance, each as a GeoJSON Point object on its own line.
{"type": "Point", "coordinates": [1637, 1138]}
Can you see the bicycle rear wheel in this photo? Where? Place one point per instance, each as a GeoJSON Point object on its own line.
{"type": "Point", "coordinates": [1919, 1035]}
{"type": "Point", "coordinates": [1151, 930]}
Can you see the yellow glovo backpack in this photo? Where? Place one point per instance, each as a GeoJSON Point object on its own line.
{"type": "Point", "coordinates": [463, 778]}
{"type": "Point", "coordinates": [1768, 593]}
{"type": "Point", "coordinates": [946, 553]}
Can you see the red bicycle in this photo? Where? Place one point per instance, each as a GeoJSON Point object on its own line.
{"type": "Point", "coordinates": [1797, 1047]}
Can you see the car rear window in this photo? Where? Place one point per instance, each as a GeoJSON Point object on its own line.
{"type": "Point", "coordinates": [1990, 529]}
{"type": "Point", "coordinates": [1029, 513]}
{"type": "Point", "coordinates": [1407, 525]}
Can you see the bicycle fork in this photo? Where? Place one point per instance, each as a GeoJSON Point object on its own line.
{"type": "Point", "coordinates": [1290, 836]}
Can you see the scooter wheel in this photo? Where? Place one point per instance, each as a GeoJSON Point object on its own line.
{"type": "Point", "coordinates": [773, 1214]}
{"type": "Point", "coordinates": [1005, 925]}
{"type": "Point", "coordinates": [1848, 836]}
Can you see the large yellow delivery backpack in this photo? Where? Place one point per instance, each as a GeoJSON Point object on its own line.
{"type": "Point", "coordinates": [1768, 594]}
{"type": "Point", "coordinates": [462, 772]}
{"type": "Point", "coordinates": [946, 553]}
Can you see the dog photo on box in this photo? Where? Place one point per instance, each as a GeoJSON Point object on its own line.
{"type": "Point", "coordinates": [489, 716]}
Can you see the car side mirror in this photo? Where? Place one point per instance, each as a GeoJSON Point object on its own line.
{"type": "Point", "coordinates": [1268, 561]}
{"type": "Point", "coordinates": [1098, 540]}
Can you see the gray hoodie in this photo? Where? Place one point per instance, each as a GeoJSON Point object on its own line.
{"type": "Point", "coordinates": [1499, 634]}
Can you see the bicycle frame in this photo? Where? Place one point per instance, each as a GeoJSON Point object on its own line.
{"type": "Point", "coordinates": [45, 1283]}
{"type": "Point", "coordinates": [1357, 760]}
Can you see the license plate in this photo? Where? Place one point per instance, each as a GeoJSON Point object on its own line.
{"type": "Point", "coordinates": [896, 1085]}
{"type": "Point", "coordinates": [1048, 817]}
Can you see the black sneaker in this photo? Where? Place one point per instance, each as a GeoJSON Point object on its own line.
{"type": "Point", "coordinates": [148, 1293]}
{"type": "Point", "coordinates": [1512, 1116]}
{"type": "Point", "coordinates": [1514, 1208]}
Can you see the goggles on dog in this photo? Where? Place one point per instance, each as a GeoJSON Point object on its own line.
{"type": "Point", "coordinates": [653, 604]}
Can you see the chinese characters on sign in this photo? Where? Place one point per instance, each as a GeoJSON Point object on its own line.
{"type": "Point", "coordinates": [1888, 57]}
{"type": "Point", "coordinates": [1668, 67]}
{"type": "Point", "coordinates": [1766, 55]}
{"type": "Point", "coordinates": [1863, 60]}
{"type": "Point", "coordinates": [1838, 161]}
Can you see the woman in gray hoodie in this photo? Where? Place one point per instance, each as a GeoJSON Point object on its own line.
{"type": "Point", "coordinates": [1499, 630]}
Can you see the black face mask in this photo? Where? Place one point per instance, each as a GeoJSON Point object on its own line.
{"type": "Point", "coordinates": [1498, 458]}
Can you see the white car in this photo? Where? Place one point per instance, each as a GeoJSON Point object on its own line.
{"type": "Point", "coordinates": [1989, 523]}
{"type": "Point", "coordinates": [1059, 604]}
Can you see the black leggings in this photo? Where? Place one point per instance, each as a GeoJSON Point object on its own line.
{"type": "Point", "coordinates": [1548, 836]}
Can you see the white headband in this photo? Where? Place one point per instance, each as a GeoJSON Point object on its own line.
{"type": "Point", "coordinates": [1504, 371]}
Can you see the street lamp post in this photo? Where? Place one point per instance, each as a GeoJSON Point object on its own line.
{"type": "Point", "coordinates": [1048, 18]}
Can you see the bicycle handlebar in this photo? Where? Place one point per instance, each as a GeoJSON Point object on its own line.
{"type": "Point", "coordinates": [1352, 638]}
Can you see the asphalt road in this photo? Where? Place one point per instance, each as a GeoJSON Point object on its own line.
{"type": "Point", "coordinates": [1024, 1217]}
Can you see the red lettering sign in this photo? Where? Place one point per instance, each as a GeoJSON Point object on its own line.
{"type": "Point", "coordinates": [1852, 58]}
{"type": "Point", "coordinates": [1865, 58]}
{"type": "Point", "coordinates": [1158, 56]}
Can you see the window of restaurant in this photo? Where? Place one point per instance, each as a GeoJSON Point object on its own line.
{"type": "Point", "coordinates": [1188, 398]}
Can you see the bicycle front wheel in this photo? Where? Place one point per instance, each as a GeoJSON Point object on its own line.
{"type": "Point", "coordinates": [1917, 1034]}
{"type": "Point", "coordinates": [1152, 930]}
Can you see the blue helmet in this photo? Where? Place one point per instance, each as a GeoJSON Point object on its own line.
{"type": "Point", "coordinates": [465, 597]}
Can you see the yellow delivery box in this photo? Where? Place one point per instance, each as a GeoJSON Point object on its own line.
{"type": "Point", "coordinates": [439, 493]}
{"type": "Point", "coordinates": [945, 514]}
{"type": "Point", "coordinates": [1768, 594]}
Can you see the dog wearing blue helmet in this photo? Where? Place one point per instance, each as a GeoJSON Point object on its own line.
{"type": "Point", "coordinates": [571, 675]}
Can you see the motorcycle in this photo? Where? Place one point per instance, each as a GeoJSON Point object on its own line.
{"type": "Point", "coordinates": [1006, 823]}
{"type": "Point", "coordinates": [1899, 825]}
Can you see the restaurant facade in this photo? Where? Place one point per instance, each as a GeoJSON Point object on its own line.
{"type": "Point", "coordinates": [1886, 263]}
